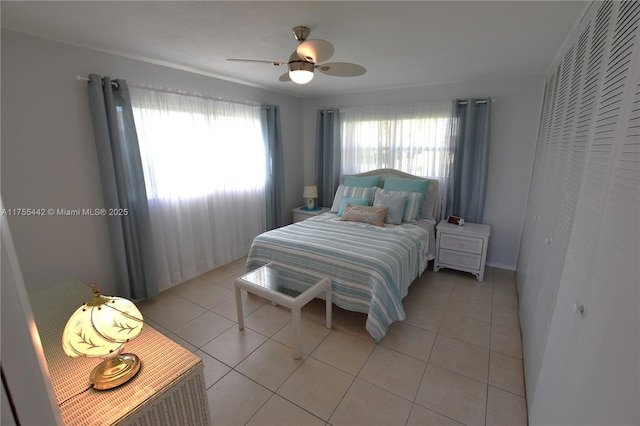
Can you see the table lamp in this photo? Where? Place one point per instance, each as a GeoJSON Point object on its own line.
{"type": "Point", "coordinates": [310, 193]}
{"type": "Point", "coordinates": [100, 328]}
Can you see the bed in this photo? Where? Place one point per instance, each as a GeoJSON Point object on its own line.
{"type": "Point", "coordinates": [371, 266]}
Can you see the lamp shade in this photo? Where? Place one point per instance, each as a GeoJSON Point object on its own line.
{"type": "Point", "coordinates": [310, 192]}
{"type": "Point", "coordinates": [100, 328]}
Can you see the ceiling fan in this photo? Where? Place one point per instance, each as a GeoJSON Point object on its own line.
{"type": "Point", "coordinates": [305, 59]}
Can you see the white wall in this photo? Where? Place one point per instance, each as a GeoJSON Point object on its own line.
{"type": "Point", "coordinates": [48, 157]}
{"type": "Point", "coordinates": [514, 122]}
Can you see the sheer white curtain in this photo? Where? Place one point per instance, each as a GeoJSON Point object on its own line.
{"type": "Point", "coordinates": [204, 166]}
{"type": "Point", "coordinates": [414, 138]}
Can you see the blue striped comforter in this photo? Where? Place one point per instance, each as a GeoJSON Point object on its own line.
{"type": "Point", "coordinates": [371, 267]}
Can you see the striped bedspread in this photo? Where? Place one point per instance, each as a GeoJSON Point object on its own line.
{"type": "Point", "coordinates": [371, 267]}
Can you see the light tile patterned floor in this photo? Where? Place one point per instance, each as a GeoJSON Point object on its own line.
{"type": "Point", "coordinates": [456, 359]}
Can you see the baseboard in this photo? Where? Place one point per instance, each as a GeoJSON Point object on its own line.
{"type": "Point", "coordinates": [501, 266]}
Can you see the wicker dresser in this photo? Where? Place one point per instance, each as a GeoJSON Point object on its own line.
{"type": "Point", "coordinates": [169, 389]}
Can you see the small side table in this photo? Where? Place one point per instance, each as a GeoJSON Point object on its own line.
{"type": "Point", "coordinates": [463, 248]}
{"type": "Point", "coordinates": [290, 287]}
{"type": "Point", "coordinates": [300, 213]}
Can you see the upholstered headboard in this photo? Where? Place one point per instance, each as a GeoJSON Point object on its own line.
{"type": "Point", "coordinates": [431, 198]}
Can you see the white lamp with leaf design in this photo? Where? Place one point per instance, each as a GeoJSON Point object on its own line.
{"type": "Point", "coordinates": [100, 328]}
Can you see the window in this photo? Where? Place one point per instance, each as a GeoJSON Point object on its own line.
{"type": "Point", "coordinates": [413, 138]}
{"type": "Point", "coordinates": [193, 147]}
{"type": "Point", "coordinates": [204, 162]}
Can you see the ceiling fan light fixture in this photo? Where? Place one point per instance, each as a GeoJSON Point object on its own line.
{"type": "Point", "coordinates": [301, 72]}
{"type": "Point", "coordinates": [307, 57]}
{"type": "Point", "coordinates": [300, 76]}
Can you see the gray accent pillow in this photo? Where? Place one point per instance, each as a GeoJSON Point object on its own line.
{"type": "Point", "coordinates": [395, 203]}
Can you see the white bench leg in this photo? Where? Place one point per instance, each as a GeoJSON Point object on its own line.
{"type": "Point", "coordinates": [328, 307]}
{"type": "Point", "coordinates": [239, 308]}
{"type": "Point", "coordinates": [296, 322]}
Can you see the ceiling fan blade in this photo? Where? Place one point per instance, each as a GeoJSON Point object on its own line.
{"type": "Point", "coordinates": [276, 63]}
{"type": "Point", "coordinates": [342, 69]}
{"type": "Point", "coordinates": [315, 50]}
{"type": "Point", "coordinates": [285, 77]}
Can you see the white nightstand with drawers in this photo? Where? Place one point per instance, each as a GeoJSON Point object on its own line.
{"type": "Point", "coordinates": [462, 247]}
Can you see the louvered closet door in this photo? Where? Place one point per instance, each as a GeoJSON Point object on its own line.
{"type": "Point", "coordinates": [532, 254]}
{"type": "Point", "coordinates": [541, 222]}
{"type": "Point", "coordinates": [529, 261]}
{"type": "Point", "coordinates": [590, 372]}
{"type": "Point", "coordinates": [557, 177]}
{"type": "Point", "coordinates": [555, 235]}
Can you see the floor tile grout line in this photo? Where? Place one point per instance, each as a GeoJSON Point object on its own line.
{"type": "Point", "coordinates": [434, 411]}
{"type": "Point", "coordinates": [401, 353]}
{"type": "Point", "coordinates": [341, 399]}
{"type": "Point", "coordinates": [486, 402]}
{"type": "Point", "coordinates": [280, 343]}
{"type": "Point", "coordinates": [327, 364]}
{"type": "Point", "coordinates": [468, 343]}
{"type": "Point", "coordinates": [249, 378]}
{"type": "Point", "coordinates": [245, 357]}
{"type": "Point", "coordinates": [187, 299]}
{"type": "Point", "coordinates": [506, 391]}
{"type": "Point", "coordinates": [291, 402]}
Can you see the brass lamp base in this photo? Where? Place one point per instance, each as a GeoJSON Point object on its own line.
{"type": "Point", "coordinates": [114, 372]}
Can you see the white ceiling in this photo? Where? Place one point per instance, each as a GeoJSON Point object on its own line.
{"type": "Point", "coordinates": [400, 43]}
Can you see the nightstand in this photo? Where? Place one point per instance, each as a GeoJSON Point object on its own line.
{"type": "Point", "coordinates": [170, 387]}
{"type": "Point", "coordinates": [463, 248]}
{"type": "Point", "coordinates": [300, 214]}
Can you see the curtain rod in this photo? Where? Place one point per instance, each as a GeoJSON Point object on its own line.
{"type": "Point", "coordinates": [183, 92]}
{"type": "Point", "coordinates": [196, 94]}
{"type": "Point", "coordinates": [482, 101]}
{"type": "Point", "coordinates": [180, 92]}
{"type": "Point", "coordinates": [113, 83]}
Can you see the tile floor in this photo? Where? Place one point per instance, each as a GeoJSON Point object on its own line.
{"type": "Point", "coordinates": [456, 359]}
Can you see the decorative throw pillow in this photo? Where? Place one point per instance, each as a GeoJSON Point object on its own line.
{"type": "Point", "coordinates": [353, 192]}
{"type": "Point", "coordinates": [408, 185]}
{"type": "Point", "coordinates": [414, 201]}
{"type": "Point", "coordinates": [350, 200]}
{"type": "Point", "coordinates": [362, 181]}
{"type": "Point", "coordinates": [366, 214]}
{"type": "Point", "coordinates": [394, 202]}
